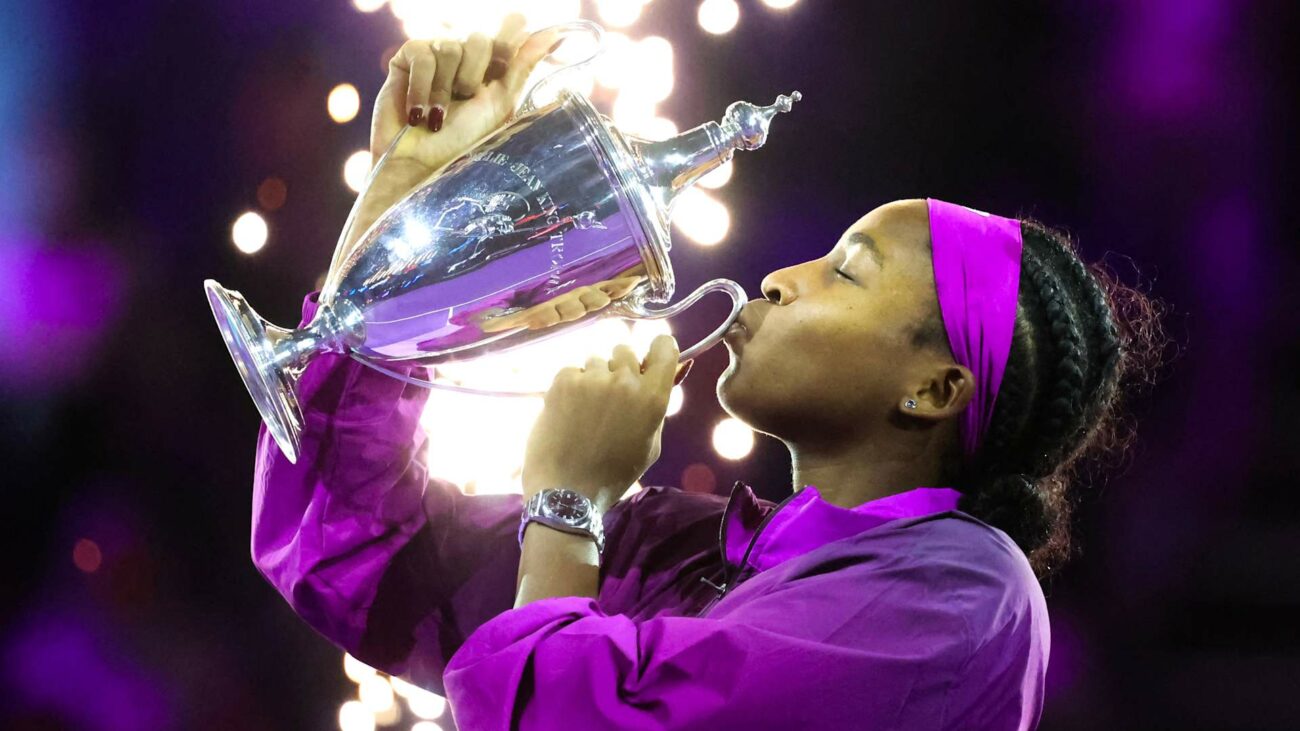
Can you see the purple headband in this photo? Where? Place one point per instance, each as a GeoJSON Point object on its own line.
{"type": "Point", "coordinates": [977, 276]}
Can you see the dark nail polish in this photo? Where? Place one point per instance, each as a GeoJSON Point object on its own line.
{"type": "Point", "coordinates": [435, 118]}
{"type": "Point", "coordinates": [416, 116]}
{"type": "Point", "coordinates": [681, 375]}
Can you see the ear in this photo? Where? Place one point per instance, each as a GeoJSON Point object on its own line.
{"type": "Point", "coordinates": [944, 394]}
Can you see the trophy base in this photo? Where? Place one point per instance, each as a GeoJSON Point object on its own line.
{"type": "Point", "coordinates": [245, 333]}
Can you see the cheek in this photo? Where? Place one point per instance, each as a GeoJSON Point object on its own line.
{"type": "Point", "coordinates": [802, 364]}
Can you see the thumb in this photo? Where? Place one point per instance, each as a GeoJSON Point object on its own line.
{"type": "Point", "coordinates": [537, 47]}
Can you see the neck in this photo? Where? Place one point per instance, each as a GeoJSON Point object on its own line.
{"type": "Point", "coordinates": [851, 474]}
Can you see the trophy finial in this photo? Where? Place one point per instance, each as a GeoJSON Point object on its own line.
{"type": "Point", "coordinates": [670, 166]}
{"type": "Point", "coordinates": [746, 124]}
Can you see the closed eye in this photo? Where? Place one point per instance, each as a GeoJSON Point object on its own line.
{"type": "Point", "coordinates": [842, 274]}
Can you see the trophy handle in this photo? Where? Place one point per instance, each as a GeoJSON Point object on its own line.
{"type": "Point", "coordinates": [631, 308]}
{"type": "Point", "coordinates": [577, 26]}
{"type": "Point", "coordinates": [634, 308]}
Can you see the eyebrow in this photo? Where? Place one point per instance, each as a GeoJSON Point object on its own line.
{"type": "Point", "coordinates": [860, 239]}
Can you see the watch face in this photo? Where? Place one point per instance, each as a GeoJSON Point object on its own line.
{"type": "Point", "coordinates": [566, 505]}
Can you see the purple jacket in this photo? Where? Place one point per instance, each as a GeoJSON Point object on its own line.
{"type": "Point", "coordinates": [901, 613]}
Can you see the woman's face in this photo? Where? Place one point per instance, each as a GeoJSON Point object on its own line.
{"type": "Point", "coordinates": [831, 350]}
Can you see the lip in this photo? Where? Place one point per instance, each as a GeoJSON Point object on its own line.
{"type": "Point", "coordinates": [736, 333]}
{"type": "Point", "coordinates": [740, 330]}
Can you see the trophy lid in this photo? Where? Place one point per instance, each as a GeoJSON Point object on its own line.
{"type": "Point", "coordinates": [648, 176]}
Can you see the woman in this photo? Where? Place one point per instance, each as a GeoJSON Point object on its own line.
{"type": "Point", "coordinates": [937, 376]}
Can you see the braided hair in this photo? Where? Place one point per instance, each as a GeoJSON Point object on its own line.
{"type": "Point", "coordinates": [1081, 338]}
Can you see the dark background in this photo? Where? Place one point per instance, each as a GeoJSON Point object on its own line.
{"type": "Point", "coordinates": [132, 133]}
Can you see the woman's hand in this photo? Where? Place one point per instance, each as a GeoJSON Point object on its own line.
{"type": "Point", "coordinates": [601, 426]}
{"type": "Point", "coordinates": [451, 93]}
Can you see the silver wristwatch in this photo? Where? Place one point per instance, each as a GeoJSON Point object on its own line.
{"type": "Point", "coordinates": [565, 510]}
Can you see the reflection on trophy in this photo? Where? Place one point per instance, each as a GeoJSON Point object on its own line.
{"type": "Point", "coordinates": [549, 313]}
{"type": "Point", "coordinates": [480, 257]}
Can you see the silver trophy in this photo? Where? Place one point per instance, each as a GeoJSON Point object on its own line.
{"type": "Point", "coordinates": [557, 201]}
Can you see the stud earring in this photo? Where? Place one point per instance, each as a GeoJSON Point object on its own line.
{"type": "Point", "coordinates": [911, 404]}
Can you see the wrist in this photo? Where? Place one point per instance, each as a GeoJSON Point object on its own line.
{"type": "Point", "coordinates": [554, 564]}
{"type": "Point", "coordinates": [602, 498]}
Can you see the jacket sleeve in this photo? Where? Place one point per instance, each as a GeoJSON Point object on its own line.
{"type": "Point", "coordinates": [812, 652]}
{"type": "Point", "coordinates": [393, 567]}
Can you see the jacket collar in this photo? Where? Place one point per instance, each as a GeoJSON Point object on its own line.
{"type": "Point", "coordinates": [762, 536]}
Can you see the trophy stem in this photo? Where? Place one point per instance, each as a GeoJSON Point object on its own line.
{"type": "Point", "coordinates": [269, 359]}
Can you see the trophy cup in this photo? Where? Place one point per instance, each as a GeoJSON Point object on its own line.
{"type": "Point", "coordinates": [556, 201]}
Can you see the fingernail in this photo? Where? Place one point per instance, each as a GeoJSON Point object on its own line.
{"type": "Point", "coordinates": [417, 114]}
{"type": "Point", "coordinates": [556, 46]}
{"type": "Point", "coordinates": [435, 117]}
{"type": "Point", "coordinates": [496, 69]}
{"type": "Point", "coordinates": [683, 370]}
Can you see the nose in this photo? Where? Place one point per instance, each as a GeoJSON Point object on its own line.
{"type": "Point", "coordinates": [778, 288]}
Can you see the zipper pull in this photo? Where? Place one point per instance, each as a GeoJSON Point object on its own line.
{"type": "Point", "coordinates": [720, 589]}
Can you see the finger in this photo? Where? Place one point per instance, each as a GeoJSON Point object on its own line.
{"type": "Point", "coordinates": [570, 309]}
{"type": "Point", "coordinates": [526, 59]}
{"type": "Point", "coordinates": [448, 55]}
{"type": "Point", "coordinates": [390, 113]}
{"type": "Point", "coordinates": [661, 363]}
{"type": "Point", "coordinates": [504, 46]}
{"type": "Point", "coordinates": [473, 66]}
{"type": "Point", "coordinates": [593, 299]}
{"type": "Point", "coordinates": [497, 323]}
{"type": "Point", "coordinates": [624, 358]}
{"type": "Point", "coordinates": [565, 375]}
{"type": "Point", "coordinates": [418, 59]}
{"type": "Point", "coordinates": [596, 364]}
{"type": "Point", "coordinates": [544, 317]}
{"type": "Point", "coordinates": [617, 288]}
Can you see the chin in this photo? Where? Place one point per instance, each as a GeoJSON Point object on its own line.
{"type": "Point", "coordinates": [738, 395]}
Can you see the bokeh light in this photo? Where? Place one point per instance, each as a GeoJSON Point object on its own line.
{"type": "Point", "coordinates": [343, 103]}
{"type": "Point", "coordinates": [356, 670]}
{"type": "Point", "coordinates": [619, 13]}
{"type": "Point", "coordinates": [356, 169]}
{"type": "Point", "coordinates": [353, 716]}
{"type": "Point", "coordinates": [617, 64]}
{"type": "Point", "coordinates": [87, 556]}
{"type": "Point", "coordinates": [249, 232]}
{"type": "Point", "coordinates": [699, 477]}
{"type": "Point", "coordinates": [426, 726]}
{"type": "Point", "coordinates": [718, 16]}
{"type": "Point", "coordinates": [780, 4]}
{"type": "Point", "coordinates": [425, 704]}
{"type": "Point", "coordinates": [732, 439]}
{"type": "Point", "coordinates": [676, 398]}
{"type": "Point", "coordinates": [376, 694]}
{"type": "Point", "coordinates": [655, 64]}
{"type": "Point", "coordinates": [644, 333]}
{"type": "Point", "coordinates": [424, 19]}
{"type": "Point", "coordinates": [701, 217]}
{"type": "Point", "coordinates": [272, 193]}
{"type": "Point", "coordinates": [368, 6]}
{"type": "Point", "coordinates": [719, 176]}
{"type": "Point", "coordinates": [543, 13]}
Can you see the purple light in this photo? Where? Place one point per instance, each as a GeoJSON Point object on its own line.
{"type": "Point", "coordinates": [60, 664]}
{"type": "Point", "coordinates": [57, 302]}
